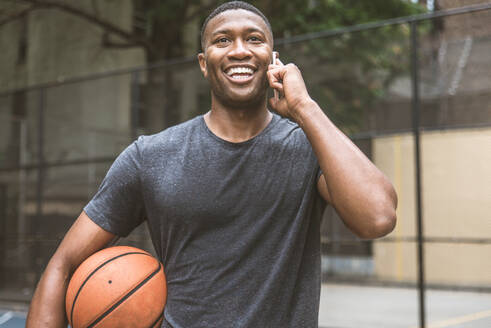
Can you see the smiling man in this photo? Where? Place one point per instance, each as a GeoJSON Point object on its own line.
{"type": "Point", "coordinates": [232, 198]}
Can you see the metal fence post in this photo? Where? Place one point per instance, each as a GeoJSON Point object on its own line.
{"type": "Point", "coordinates": [415, 122]}
{"type": "Point", "coordinates": [35, 253]}
{"type": "Point", "coordinates": [135, 104]}
{"type": "Point", "coordinates": [40, 177]}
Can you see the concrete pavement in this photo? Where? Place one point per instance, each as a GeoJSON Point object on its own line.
{"type": "Point", "coordinates": [350, 306]}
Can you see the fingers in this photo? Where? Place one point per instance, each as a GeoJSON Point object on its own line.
{"type": "Point", "coordinates": [276, 73]}
{"type": "Point", "coordinates": [274, 82]}
{"type": "Point", "coordinates": [275, 79]}
{"type": "Point", "coordinates": [279, 70]}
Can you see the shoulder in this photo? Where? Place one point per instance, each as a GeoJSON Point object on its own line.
{"type": "Point", "coordinates": [287, 131]}
{"type": "Point", "coordinates": [169, 138]}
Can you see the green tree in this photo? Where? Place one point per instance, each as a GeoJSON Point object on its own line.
{"type": "Point", "coordinates": [161, 28]}
{"type": "Point", "coordinates": [348, 73]}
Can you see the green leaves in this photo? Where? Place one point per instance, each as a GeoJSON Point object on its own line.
{"type": "Point", "coordinates": [346, 74]}
{"type": "Point", "coordinates": [349, 73]}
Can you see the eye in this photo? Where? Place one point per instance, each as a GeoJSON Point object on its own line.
{"type": "Point", "coordinates": [255, 39]}
{"type": "Point", "coordinates": [222, 40]}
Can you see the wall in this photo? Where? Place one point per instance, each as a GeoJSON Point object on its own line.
{"type": "Point", "coordinates": [456, 193]}
{"type": "Point", "coordinates": [81, 120]}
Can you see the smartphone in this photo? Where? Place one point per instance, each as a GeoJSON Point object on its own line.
{"type": "Point", "coordinates": [275, 56]}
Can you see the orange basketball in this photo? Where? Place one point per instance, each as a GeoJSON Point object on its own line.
{"type": "Point", "coordinates": [119, 286]}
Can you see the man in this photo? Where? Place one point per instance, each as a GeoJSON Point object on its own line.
{"type": "Point", "coordinates": [231, 197]}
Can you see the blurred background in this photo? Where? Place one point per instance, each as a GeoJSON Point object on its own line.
{"type": "Point", "coordinates": [408, 81]}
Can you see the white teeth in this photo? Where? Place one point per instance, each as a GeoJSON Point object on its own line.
{"type": "Point", "coordinates": [240, 77]}
{"type": "Point", "coordinates": [239, 70]}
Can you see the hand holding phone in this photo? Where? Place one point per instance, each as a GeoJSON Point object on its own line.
{"type": "Point", "coordinates": [289, 90]}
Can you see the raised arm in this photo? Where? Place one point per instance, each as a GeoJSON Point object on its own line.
{"type": "Point", "coordinates": [361, 194]}
{"type": "Point", "coordinates": [48, 303]}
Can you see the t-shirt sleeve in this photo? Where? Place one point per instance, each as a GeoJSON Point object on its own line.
{"type": "Point", "coordinates": [118, 206]}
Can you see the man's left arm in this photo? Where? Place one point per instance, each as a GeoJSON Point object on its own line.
{"type": "Point", "coordinates": [361, 194]}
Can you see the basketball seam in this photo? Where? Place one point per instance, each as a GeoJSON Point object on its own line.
{"type": "Point", "coordinates": [92, 273]}
{"type": "Point", "coordinates": [158, 319]}
{"type": "Point", "coordinates": [124, 298]}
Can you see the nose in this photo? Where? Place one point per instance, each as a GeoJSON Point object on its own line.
{"type": "Point", "coordinates": [239, 50]}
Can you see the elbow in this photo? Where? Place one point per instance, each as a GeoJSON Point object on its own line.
{"type": "Point", "coordinates": [385, 225]}
{"type": "Point", "coordinates": [383, 218]}
{"type": "Point", "coordinates": [377, 217]}
{"type": "Point", "coordinates": [380, 225]}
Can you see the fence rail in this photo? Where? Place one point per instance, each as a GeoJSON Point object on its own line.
{"type": "Point", "coordinates": [32, 185]}
{"type": "Point", "coordinates": [279, 41]}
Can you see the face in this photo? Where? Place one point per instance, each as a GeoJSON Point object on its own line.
{"type": "Point", "coordinates": [237, 51]}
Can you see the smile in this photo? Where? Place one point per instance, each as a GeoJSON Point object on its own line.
{"type": "Point", "coordinates": [239, 72]}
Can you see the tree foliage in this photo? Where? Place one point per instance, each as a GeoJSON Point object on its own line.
{"type": "Point", "coordinates": [348, 72]}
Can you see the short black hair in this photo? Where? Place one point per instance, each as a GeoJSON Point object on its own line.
{"type": "Point", "coordinates": [233, 5]}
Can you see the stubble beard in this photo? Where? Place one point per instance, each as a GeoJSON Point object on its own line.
{"type": "Point", "coordinates": [255, 100]}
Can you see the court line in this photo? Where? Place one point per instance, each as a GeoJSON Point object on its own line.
{"type": "Point", "coordinates": [461, 319]}
{"type": "Point", "coordinates": [6, 317]}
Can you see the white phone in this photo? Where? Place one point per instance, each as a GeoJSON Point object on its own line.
{"type": "Point", "coordinates": [275, 55]}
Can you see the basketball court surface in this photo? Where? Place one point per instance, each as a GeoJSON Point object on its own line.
{"type": "Point", "coordinates": [348, 306]}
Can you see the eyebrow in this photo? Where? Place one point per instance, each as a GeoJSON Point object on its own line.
{"type": "Point", "coordinates": [229, 31]}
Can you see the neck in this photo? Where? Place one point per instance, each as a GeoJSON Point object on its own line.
{"type": "Point", "coordinates": [237, 124]}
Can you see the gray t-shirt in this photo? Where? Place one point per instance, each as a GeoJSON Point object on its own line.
{"type": "Point", "coordinates": [236, 225]}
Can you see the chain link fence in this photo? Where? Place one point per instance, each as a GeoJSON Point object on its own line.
{"type": "Point", "coordinates": [413, 93]}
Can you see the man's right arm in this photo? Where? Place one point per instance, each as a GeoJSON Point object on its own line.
{"type": "Point", "coordinates": [48, 303]}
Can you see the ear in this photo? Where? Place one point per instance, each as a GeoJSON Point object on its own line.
{"type": "Point", "coordinates": [202, 64]}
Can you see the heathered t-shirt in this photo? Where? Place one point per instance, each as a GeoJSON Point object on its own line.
{"type": "Point", "coordinates": [236, 225]}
